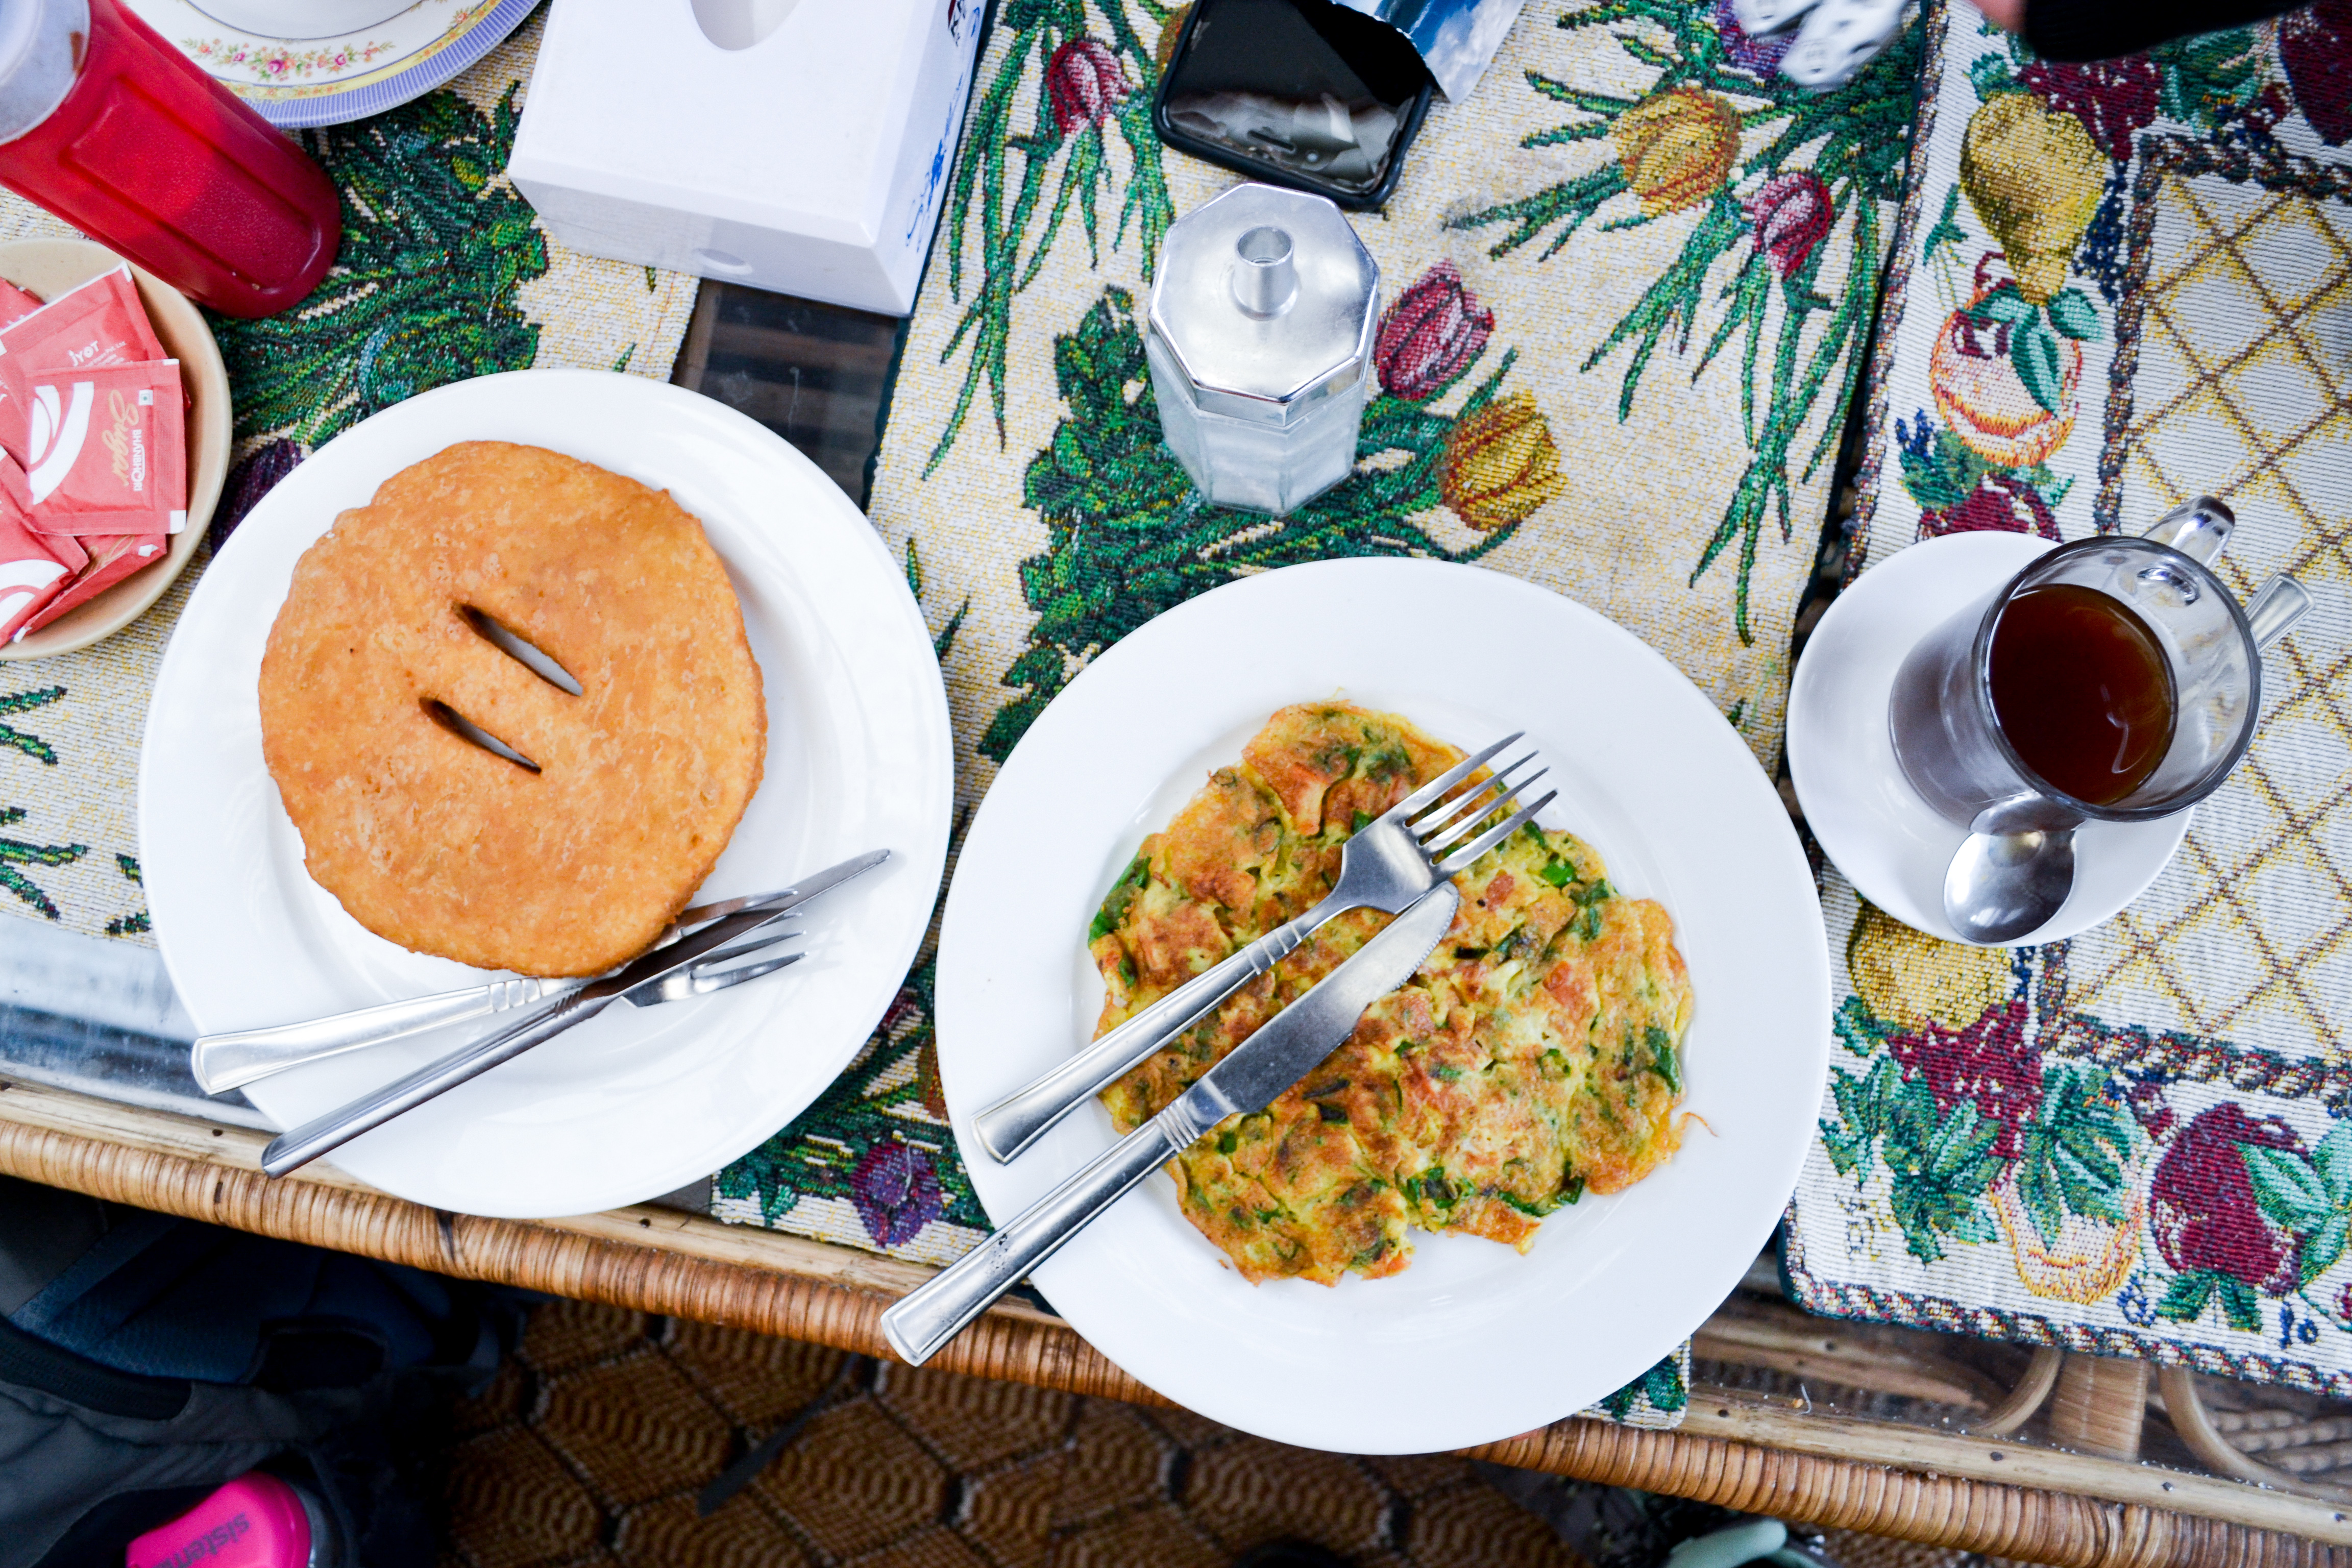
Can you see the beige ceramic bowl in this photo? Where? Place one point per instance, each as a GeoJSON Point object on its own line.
{"type": "Point", "coordinates": [48, 268]}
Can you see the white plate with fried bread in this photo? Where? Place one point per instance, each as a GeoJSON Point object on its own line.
{"type": "Point", "coordinates": [635, 1103]}
{"type": "Point", "coordinates": [1472, 1341]}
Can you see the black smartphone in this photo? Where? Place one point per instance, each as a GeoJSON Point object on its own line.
{"type": "Point", "coordinates": [1304, 93]}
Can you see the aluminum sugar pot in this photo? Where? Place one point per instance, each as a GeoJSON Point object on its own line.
{"type": "Point", "coordinates": [1261, 341]}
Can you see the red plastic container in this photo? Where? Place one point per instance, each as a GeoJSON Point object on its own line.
{"type": "Point", "coordinates": [157, 161]}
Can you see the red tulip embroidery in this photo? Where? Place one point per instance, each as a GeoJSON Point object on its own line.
{"type": "Point", "coordinates": [1085, 83]}
{"type": "Point", "coordinates": [1791, 213]}
{"type": "Point", "coordinates": [1431, 335]}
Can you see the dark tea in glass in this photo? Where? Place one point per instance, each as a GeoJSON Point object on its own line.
{"type": "Point", "coordinates": [2114, 679]}
{"type": "Point", "coordinates": [2080, 690]}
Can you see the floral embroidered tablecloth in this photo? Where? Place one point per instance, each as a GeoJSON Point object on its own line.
{"type": "Point", "coordinates": [1634, 250]}
{"type": "Point", "coordinates": [2117, 287]}
{"type": "Point", "coordinates": [444, 274]}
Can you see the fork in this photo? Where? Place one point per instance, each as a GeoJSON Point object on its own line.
{"type": "Point", "coordinates": [1386, 865]}
{"type": "Point", "coordinates": [236, 1058]}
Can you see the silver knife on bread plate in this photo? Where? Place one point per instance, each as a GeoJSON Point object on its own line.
{"type": "Point", "coordinates": [1286, 1049]}
{"type": "Point", "coordinates": [292, 1150]}
{"type": "Point", "coordinates": [232, 1059]}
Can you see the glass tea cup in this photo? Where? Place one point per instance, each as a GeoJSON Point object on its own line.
{"type": "Point", "coordinates": [2179, 667]}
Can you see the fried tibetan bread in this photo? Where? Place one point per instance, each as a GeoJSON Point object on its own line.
{"type": "Point", "coordinates": [1536, 1055]}
{"type": "Point", "coordinates": [575, 863]}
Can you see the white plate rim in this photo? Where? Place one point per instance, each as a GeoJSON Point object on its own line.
{"type": "Point", "coordinates": [1861, 847]}
{"type": "Point", "coordinates": [981, 979]}
{"type": "Point", "coordinates": [894, 904]}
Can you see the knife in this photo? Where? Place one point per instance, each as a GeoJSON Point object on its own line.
{"type": "Point", "coordinates": [1278, 1054]}
{"type": "Point", "coordinates": [642, 978]}
{"type": "Point", "coordinates": [232, 1059]}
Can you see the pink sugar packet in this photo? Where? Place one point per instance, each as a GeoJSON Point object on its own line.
{"type": "Point", "coordinates": [111, 559]}
{"type": "Point", "coordinates": [34, 569]}
{"type": "Point", "coordinates": [15, 304]}
{"type": "Point", "coordinates": [99, 323]}
{"type": "Point", "coordinates": [105, 450]}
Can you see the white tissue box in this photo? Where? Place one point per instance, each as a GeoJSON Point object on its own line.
{"type": "Point", "coordinates": [814, 161]}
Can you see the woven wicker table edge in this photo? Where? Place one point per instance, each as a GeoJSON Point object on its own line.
{"type": "Point", "coordinates": [1980, 1495]}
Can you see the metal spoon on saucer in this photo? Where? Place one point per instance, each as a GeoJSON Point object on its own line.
{"type": "Point", "coordinates": [2011, 875]}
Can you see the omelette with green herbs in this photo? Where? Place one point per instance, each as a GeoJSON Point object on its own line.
{"type": "Point", "coordinates": [1537, 1056]}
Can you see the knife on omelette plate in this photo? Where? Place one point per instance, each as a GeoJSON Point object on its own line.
{"type": "Point", "coordinates": [1286, 1049]}
{"type": "Point", "coordinates": [638, 983]}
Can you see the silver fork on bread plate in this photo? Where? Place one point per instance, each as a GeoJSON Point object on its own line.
{"type": "Point", "coordinates": [233, 1058]}
{"type": "Point", "coordinates": [1387, 864]}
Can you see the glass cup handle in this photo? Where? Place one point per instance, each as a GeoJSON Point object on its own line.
{"type": "Point", "coordinates": [2199, 529]}
{"type": "Point", "coordinates": [2275, 608]}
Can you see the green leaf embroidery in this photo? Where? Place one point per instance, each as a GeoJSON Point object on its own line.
{"type": "Point", "coordinates": [1661, 1387]}
{"type": "Point", "coordinates": [2241, 1308]}
{"type": "Point", "coordinates": [18, 740]}
{"type": "Point", "coordinates": [2332, 1160]}
{"type": "Point", "coordinates": [1857, 1031]}
{"type": "Point", "coordinates": [2003, 307]}
{"type": "Point", "coordinates": [2184, 1300]}
{"type": "Point", "coordinates": [2033, 350]}
{"type": "Point", "coordinates": [17, 852]}
{"type": "Point", "coordinates": [2286, 1186]}
{"type": "Point", "coordinates": [2072, 312]}
{"type": "Point", "coordinates": [1948, 231]}
{"type": "Point", "coordinates": [424, 291]}
{"type": "Point", "coordinates": [1010, 255]}
{"type": "Point", "coordinates": [1128, 536]}
{"type": "Point", "coordinates": [1991, 74]}
{"type": "Point", "coordinates": [138, 921]}
{"type": "Point", "coordinates": [2325, 1245]}
{"type": "Point", "coordinates": [2074, 1154]}
{"type": "Point", "coordinates": [2209, 76]}
{"type": "Point", "coordinates": [1939, 1166]}
{"type": "Point", "coordinates": [1933, 485]}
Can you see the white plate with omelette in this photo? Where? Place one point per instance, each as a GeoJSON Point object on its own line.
{"type": "Point", "coordinates": [1472, 1340]}
{"type": "Point", "coordinates": [635, 1102]}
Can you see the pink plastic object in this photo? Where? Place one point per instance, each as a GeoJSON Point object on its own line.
{"type": "Point", "coordinates": [254, 1521]}
{"type": "Point", "coordinates": [107, 125]}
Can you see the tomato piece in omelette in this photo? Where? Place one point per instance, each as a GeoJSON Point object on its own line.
{"type": "Point", "coordinates": [1534, 1057]}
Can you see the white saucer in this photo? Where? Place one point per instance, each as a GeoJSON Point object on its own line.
{"type": "Point", "coordinates": [1868, 818]}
